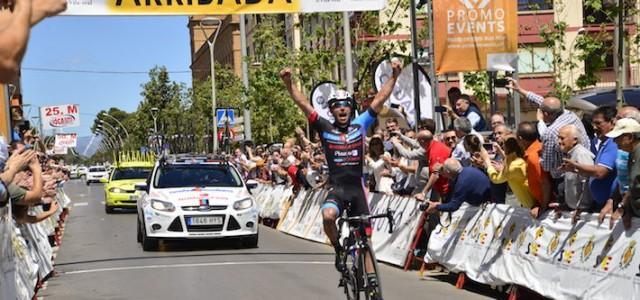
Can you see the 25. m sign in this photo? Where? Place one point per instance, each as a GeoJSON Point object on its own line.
{"type": "Point", "coordinates": [60, 116]}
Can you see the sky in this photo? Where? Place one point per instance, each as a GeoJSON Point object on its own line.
{"type": "Point", "coordinates": [122, 44]}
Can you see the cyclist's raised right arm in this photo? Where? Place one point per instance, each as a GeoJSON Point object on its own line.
{"type": "Point", "coordinates": [297, 96]}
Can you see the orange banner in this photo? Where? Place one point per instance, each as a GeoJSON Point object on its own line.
{"type": "Point", "coordinates": [474, 35]}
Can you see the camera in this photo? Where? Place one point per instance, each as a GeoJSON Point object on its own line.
{"type": "Point", "coordinates": [501, 82]}
{"type": "Point", "coordinates": [440, 109]}
{"type": "Point", "coordinates": [423, 206]}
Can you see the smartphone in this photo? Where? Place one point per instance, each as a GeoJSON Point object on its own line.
{"type": "Point", "coordinates": [488, 146]}
{"type": "Point", "coordinates": [501, 82]}
{"type": "Point", "coordinates": [440, 109]}
{"type": "Point", "coordinates": [395, 105]}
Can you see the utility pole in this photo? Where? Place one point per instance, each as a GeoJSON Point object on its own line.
{"type": "Point", "coordinates": [245, 77]}
{"type": "Point", "coordinates": [348, 62]}
{"type": "Point", "coordinates": [414, 63]}
{"type": "Point", "coordinates": [620, 64]}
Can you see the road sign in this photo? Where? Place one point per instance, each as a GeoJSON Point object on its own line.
{"type": "Point", "coordinates": [223, 115]}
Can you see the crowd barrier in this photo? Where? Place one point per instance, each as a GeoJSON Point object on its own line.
{"type": "Point", "coordinates": [26, 255]}
{"type": "Point", "coordinates": [500, 244]}
{"type": "Point", "coordinates": [300, 216]}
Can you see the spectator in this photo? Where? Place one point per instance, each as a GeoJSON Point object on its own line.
{"type": "Point", "coordinates": [468, 184]}
{"type": "Point", "coordinates": [576, 188]}
{"type": "Point", "coordinates": [473, 146]}
{"type": "Point", "coordinates": [436, 153]}
{"type": "Point", "coordinates": [427, 124]}
{"type": "Point", "coordinates": [462, 127]}
{"type": "Point", "coordinates": [465, 109]}
{"type": "Point", "coordinates": [499, 190]}
{"type": "Point", "coordinates": [15, 25]}
{"type": "Point", "coordinates": [554, 115]}
{"type": "Point", "coordinates": [622, 172]}
{"type": "Point", "coordinates": [626, 134]}
{"type": "Point", "coordinates": [453, 94]}
{"type": "Point", "coordinates": [377, 166]}
{"type": "Point", "coordinates": [497, 119]}
{"type": "Point", "coordinates": [538, 179]}
{"type": "Point", "coordinates": [449, 138]}
{"type": "Point", "coordinates": [603, 173]}
{"type": "Point", "coordinates": [512, 170]}
{"type": "Point", "coordinates": [417, 155]}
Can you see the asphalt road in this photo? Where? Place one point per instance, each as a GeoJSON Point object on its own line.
{"type": "Point", "coordinates": [100, 259]}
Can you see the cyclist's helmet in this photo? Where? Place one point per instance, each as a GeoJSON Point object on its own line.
{"type": "Point", "coordinates": [340, 98]}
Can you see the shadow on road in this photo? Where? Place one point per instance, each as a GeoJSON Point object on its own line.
{"type": "Point", "coordinates": [472, 286]}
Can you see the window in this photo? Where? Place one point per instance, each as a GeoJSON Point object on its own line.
{"type": "Point", "coordinates": [535, 60]}
{"type": "Point", "coordinates": [97, 169]}
{"type": "Point", "coordinates": [131, 173]}
{"type": "Point", "coordinates": [531, 5]}
{"type": "Point", "coordinates": [175, 176]}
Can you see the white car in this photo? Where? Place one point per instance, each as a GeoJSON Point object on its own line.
{"type": "Point", "coordinates": [188, 197]}
{"type": "Point", "coordinates": [96, 174]}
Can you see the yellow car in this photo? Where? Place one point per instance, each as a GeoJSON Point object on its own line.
{"type": "Point", "coordinates": [120, 192]}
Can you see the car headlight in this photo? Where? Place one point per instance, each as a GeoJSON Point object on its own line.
{"type": "Point", "coordinates": [243, 204]}
{"type": "Point", "coordinates": [162, 205]}
{"type": "Point", "coordinates": [116, 190]}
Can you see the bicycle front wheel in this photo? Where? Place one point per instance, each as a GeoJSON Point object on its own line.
{"type": "Point", "coordinates": [370, 292]}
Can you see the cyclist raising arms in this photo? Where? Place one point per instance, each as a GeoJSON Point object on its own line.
{"type": "Point", "coordinates": [344, 147]}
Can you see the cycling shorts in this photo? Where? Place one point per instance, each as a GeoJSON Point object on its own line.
{"type": "Point", "coordinates": [352, 198]}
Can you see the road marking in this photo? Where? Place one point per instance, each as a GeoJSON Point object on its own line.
{"type": "Point", "coordinates": [230, 263]}
{"type": "Point", "coordinates": [81, 204]}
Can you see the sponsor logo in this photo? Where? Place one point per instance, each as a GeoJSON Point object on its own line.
{"type": "Point", "coordinates": [553, 245]}
{"type": "Point", "coordinates": [628, 254]}
{"type": "Point", "coordinates": [587, 249]}
{"type": "Point", "coordinates": [473, 4]}
{"type": "Point", "coordinates": [62, 121]}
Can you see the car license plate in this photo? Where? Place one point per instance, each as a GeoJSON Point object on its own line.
{"type": "Point", "coordinates": [133, 197]}
{"type": "Point", "coordinates": [205, 220]}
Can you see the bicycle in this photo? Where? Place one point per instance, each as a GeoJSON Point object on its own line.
{"type": "Point", "coordinates": [357, 246]}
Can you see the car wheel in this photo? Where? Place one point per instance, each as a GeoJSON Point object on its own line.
{"type": "Point", "coordinates": [148, 244]}
{"type": "Point", "coordinates": [251, 241]}
{"type": "Point", "coordinates": [88, 183]}
{"type": "Point", "coordinates": [108, 209]}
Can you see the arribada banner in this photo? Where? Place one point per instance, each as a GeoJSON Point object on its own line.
{"type": "Point", "coordinates": [475, 35]}
{"type": "Point", "coordinates": [215, 7]}
{"type": "Point", "coordinates": [60, 116]}
{"type": "Point", "coordinates": [501, 244]}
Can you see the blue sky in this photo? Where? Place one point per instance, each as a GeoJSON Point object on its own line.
{"type": "Point", "coordinates": [101, 44]}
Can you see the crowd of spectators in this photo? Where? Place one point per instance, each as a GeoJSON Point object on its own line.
{"type": "Point", "coordinates": [552, 163]}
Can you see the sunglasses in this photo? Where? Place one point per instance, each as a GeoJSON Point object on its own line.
{"type": "Point", "coordinates": [341, 103]}
{"type": "Point", "coordinates": [449, 138]}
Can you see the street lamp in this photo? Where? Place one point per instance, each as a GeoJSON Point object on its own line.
{"type": "Point", "coordinates": [154, 115]}
{"type": "Point", "coordinates": [105, 140]}
{"type": "Point", "coordinates": [118, 121]}
{"type": "Point", "coordinates": [114, 132]}
{"type": "Point", "coordinates": [107, 135]}
{"type": "Point", "coordinates": [210, 21]}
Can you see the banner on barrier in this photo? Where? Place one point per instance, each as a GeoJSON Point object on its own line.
{"type": "Point", "coordinates": [550, 256]}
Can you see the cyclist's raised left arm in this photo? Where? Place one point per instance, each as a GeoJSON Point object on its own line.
{"type": "Point", "coordinates": [387, 88]}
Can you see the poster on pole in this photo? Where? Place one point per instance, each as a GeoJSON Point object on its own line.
{"type": "Point", "coordinates": [211, 7]}
{"type": "Point", "coordinates": [60, 116]}
{"type": "Point", "coordinates": [475, 35]}
{"type": "Point", "coordinates": [60, 150]}
{"type": "Point", "coordinates": [66, 140]}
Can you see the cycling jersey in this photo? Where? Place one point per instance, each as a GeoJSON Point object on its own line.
{"type": "Point", "coordinates": [344, 149]}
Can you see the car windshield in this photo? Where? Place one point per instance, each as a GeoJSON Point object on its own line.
{"type": "Point", "coordinates": [97, 170]}
{"type": "Point", "coordinates": [173, 176]}
{"type": "Point", "coordinates": [130, 173]}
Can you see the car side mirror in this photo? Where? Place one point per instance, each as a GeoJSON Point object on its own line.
{"type": "Point", "coordinates": [251, 184]}
{"type": "Point", "coordinates": [141, 187]}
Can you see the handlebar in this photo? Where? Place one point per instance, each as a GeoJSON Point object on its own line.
{"type": "Point", "coordinates": [365, 218]}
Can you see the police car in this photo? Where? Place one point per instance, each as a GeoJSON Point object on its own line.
{"type": "Point", "coordinates": [195, 197]}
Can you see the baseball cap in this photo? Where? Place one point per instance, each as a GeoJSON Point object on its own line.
{"type": "Point", "coordinates": [626, 125]}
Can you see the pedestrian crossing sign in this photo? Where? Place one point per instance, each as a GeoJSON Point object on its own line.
{"type": "Point", "coordinates": [223, 115]}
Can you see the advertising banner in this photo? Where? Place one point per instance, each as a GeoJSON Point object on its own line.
{"type": "Point", "coordinates": [60, 116]}
{"type": "Point", "coordinates": [66, 140]}
{"type": "Point", "coordinates": [217, 7]}
{"type": "Point", "coordinates": [551, 256]}
{"type": "Point", "coordinates": [475, 35]}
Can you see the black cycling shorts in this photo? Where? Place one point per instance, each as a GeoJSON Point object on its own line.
{"type": "Point", "coordinates": [352, 197]}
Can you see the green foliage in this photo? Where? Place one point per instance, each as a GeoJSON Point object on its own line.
{"type": "Point", "coordinates": [478, 82]}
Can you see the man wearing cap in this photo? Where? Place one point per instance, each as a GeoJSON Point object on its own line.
{"type": "Point", "coordinates": [626, 134]}
{"type": "Point", "coordinates": [343, 142]}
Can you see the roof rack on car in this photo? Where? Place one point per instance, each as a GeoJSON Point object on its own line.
{"type": "Point", "coordinates": [189, 158]}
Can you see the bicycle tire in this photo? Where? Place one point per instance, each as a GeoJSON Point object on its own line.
{"type": "Point", "coordinates": [374, 261]}
{"type": "Point", "coordinates": [348, 278]}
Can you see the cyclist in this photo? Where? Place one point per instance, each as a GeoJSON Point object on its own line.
{"type": "Point", "coordinates": [343, 142]}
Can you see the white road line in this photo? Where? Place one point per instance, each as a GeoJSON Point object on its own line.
{"type": "Point", "coordinates": [81, 204]}
{"type": "Point", "coordinates": [230, 263]}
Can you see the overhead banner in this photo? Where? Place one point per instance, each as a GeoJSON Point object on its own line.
{"type": "Point", "coordinates": [60, 116]}
{"type": "Point", "coordinates": [475, 35]}
{"type": "Point", "coordinates": [551, 256]}
{"type": "Point", "coordinates": [217, 7]}
{"type": "Point", "coordinates": [66, 140]}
